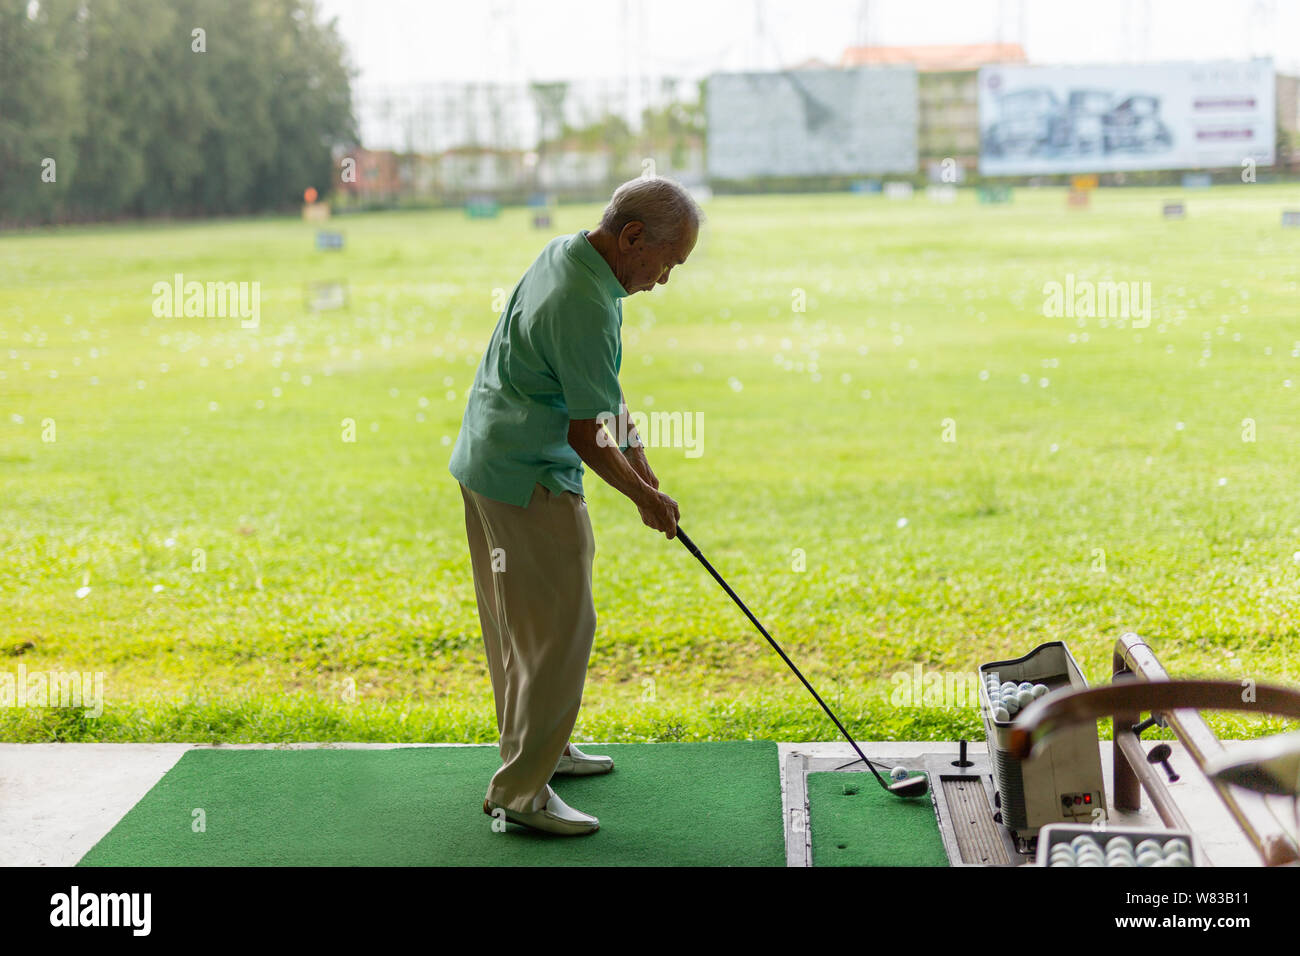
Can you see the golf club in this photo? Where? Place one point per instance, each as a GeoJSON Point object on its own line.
{"type": "Point", "coordinates": [907, 787]}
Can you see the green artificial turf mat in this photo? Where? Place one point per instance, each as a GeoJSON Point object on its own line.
{"type": "Point", "coordinates": [855, 822]}
{"type": "Point", "coordinates": [687, 804]}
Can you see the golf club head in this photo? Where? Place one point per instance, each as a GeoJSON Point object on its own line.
{"type": "Point", "coordinates": [910, 787]}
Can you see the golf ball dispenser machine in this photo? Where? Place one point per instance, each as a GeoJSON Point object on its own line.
{"type": "Point", "coordinates": [1063, 782]}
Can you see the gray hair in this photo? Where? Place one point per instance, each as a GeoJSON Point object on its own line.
{"type": "Point", "coordinates": [663, 205]}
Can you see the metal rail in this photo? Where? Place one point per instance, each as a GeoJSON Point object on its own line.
{"type": "Point", "coordinates": [1140, 683]}
{"type": "Point", "coordinates": [1133, 656]}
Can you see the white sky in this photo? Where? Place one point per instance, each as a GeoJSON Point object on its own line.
{"type": "Point", "coordinates": [405, 42]}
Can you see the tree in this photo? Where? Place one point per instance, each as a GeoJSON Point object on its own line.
{"type": "Point", "coordinates": [39, 111]}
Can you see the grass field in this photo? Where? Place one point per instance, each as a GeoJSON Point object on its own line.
{"type": "Point", "coordinates": [335, 601]}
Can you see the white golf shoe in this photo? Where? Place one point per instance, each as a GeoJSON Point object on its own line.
{"type": "Point", "coordinates": [578, 764]}
{"type": "Point", "coordinates": [556, 817]}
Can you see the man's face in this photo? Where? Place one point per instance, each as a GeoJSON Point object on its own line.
{"type": "Point", "coordinates": [650, 264]}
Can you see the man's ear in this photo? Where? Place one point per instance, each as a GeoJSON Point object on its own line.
{"type": "Point", "coordinates": [632, 234]}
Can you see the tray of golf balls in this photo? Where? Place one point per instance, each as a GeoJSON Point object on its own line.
{"type": "Point", "coordinates": [1067, 844]}
{"type": "Point", "coordinates": [1008, 698]}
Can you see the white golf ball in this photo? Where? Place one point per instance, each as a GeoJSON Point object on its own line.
{"type": "Point", "coordinates": [1039, 690]}
{"type": "Point", "coordinates": [1002, 715]}
{"type": "Point", "coordinates": [1149, 844]}
{"type": "Point", "coordinates": [1008, 686]}
{"type": "Point", "coordinates": [1177, 845]}
{"type": "Point", "coordinates": [898, 773]}
{"type": "Point", "coordinates": [1149, 858]}
{"type": "Point", "coordinates": [1025, 698]}
{"type": "Point", "coordinates": [1178, 859]}
{"type": "Point", "coordinates": [1083, 840]}
{"type": "Point", "coordinates": [1011, 704]}
{"type": "Point", "coordinates": [1119, 841]}
{"type": "Point", "coordinates": [1024, 685]}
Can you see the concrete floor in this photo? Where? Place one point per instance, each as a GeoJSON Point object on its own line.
{"type": "Point", "coordinates": [59, 800]}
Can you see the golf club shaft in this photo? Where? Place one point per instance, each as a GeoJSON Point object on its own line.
{"type": "Point", "coordinates": [690, 546]}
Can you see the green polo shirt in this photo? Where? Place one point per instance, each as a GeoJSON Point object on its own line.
{"type": "Point", "coordinates": [555, 355]}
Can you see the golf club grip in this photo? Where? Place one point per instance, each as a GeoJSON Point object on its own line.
{"type": "Point", "coordinates": [690, 546]}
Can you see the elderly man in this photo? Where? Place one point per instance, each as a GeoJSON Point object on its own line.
{"type": "Point", "coordinates": [542, 396]}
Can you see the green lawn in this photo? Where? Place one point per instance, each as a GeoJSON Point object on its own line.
{"type": "Point", "coordinates": [336, 603]}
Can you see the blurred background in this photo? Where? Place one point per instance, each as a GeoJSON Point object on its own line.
{"type": "Point", "coordinates": [564, 100]}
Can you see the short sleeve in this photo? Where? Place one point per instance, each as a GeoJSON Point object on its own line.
{"type": "Point", "coordinates": [586, 353]}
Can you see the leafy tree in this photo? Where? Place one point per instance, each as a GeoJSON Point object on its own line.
{"type": "Point", "coordinates": [39, 105]}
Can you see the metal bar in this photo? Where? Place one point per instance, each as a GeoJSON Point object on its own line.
{"type": "Point", "coordinates": [1126, 789]}
{"type": "Point", "coordinates": [1128, 749]}
{"type": "Point", "coordinates": [1169, 697]}
{"type": "Point", "coordinates": [1249, 809]}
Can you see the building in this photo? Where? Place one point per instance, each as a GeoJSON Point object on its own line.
{"type": "Point", "coordinates": [945, 58]}
{"type": "Point", "coordinates": [1288, 123]}
{"type": "Point", "coordinates": [375, 174]}
{"type": "Point", "coordinates": [948, 124]}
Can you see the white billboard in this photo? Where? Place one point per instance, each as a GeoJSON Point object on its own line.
{"type": "Point", "coordinates": [1093, 119]}
{"type": "Point", "coordinates": [812, 123]}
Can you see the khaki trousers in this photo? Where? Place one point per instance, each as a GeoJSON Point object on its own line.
{"type": "Point", "coordinates": [532, 580]}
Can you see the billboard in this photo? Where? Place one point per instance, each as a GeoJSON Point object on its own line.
{"type": "Point", "coordinates": [812, 123]}
{"type": "Point", "coordinates": [1079, 119]}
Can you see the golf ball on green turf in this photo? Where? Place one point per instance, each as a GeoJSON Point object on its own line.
{"type": "Point", "coordinates": [898, 773]}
